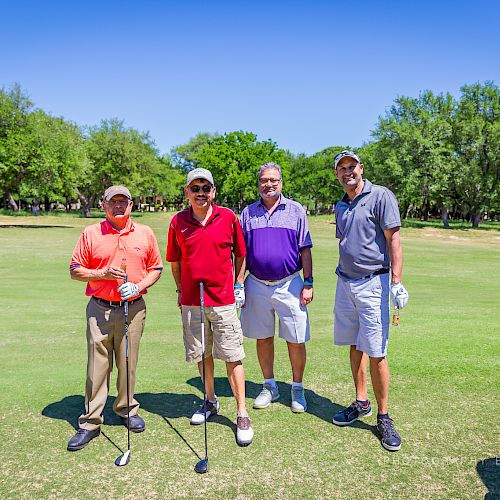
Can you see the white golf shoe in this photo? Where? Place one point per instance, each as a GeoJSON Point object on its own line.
{"type": "Point", "coordinates": [207, 410]}
{"type": "Point", "coordinates": [244, 431]}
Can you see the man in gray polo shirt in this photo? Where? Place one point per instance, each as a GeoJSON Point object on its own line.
{"type": "Point", "coordinates": [370, 249]}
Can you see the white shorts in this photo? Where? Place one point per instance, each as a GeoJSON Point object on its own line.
{"type": "Point", "coordinates": [362, 314]}
{"type": "Point", "coordinates": [262, 302]}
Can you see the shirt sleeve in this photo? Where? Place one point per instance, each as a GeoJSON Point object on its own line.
{"type": "Point", "coordinates": [388, 210]}
{"type": "Point", "coordinates": [173, 253]}
{"type": "Point", "coordinates": [154, 259]}
{"type": "Point", "coordinates": [81, 254]}
{"type": "Point", "coordinates": [239, 247]}
{"type": "Point", "coordinates": [243, 221]}
{"type": "Point", "coordinates": [303, 235]}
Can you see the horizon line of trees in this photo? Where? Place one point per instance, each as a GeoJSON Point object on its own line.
{"type": "Point", "coordinates": [440, 156]}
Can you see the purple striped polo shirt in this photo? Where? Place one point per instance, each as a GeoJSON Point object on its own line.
{"type": "Point", "coordinates": [274, 241]}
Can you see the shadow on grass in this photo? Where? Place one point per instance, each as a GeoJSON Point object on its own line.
{"type": "Point", "coordinates": [489, 472]}
{"type": "Point", "coordinates": [317, 405]}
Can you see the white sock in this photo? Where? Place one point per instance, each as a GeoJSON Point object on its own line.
{"type": "Point", "coordinates": [297, 385]}
{"type": "Point", "coordinates": [214, 400]}
{"type": "Point", "coordinates": [244, 413]}
{"type": "Point", "coordinates": [270, 381]}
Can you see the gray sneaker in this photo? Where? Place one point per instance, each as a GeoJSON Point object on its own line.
{"type": "Point", "coordinates": [267, 395]}
{"type": "Point", "coordinates": [299, 403]}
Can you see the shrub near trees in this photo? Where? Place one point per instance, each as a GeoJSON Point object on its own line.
{"type": "Point", "coordinates": [440, 155]}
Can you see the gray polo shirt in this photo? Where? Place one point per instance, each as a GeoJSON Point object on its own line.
{"type": "Point", "coordinates": [360, 228]}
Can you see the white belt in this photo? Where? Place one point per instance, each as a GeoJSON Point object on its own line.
{"type": "Point", "coordinates": [277, 282]}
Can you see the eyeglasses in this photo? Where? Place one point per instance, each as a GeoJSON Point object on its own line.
{"type": "Point", "coordinates": [118, 202]}
{"type": "Point", "coordinates": [206, 188]}
{"type": "Point", "coordinates": [274, 182]}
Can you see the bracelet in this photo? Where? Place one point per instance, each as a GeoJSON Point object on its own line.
{"type": "Point", "coordinates": [307, 283]}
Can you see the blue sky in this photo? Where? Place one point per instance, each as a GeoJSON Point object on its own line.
{"type": "Point", "coordinates": [306, 74]}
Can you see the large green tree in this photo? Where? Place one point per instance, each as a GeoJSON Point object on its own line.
{"type": "Point", "coordinates": [234, 159]}
{"type": "Point", "coordinates": [413, 152]}
{"type": "Point", "coordinates": [118, 155]}
{"type": "Point", "coordinates": [477, 140]}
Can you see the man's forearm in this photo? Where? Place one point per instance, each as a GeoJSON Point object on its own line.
{"type": "Point", "coordinates": [396, 256]}
{"type": "Point", "coordinates": [239, 269]}
{"type": "Point", "coordinates": [150, 279]}
{"type": "Point", "coordinates": [306, 257]}
{"type": "Point", "coordinates": [176, 273]}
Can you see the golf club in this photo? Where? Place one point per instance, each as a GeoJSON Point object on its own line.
{"type": "Point", "coordinates": [202, 466]}
{"type": "Point", "coordinates": [125, 458]}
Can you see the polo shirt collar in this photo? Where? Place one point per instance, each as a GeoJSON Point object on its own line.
{"type": "Point", "coordinates": [367, 187]}
{"type": "Point", "coordinates": [127, 229]}
{"type": "Point", "coordinates": [283, 201]}
{"type": "Point", "coordinates": [215, 213]}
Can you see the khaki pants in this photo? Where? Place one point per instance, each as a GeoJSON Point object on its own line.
{"type": "Point", "coordinates": [105, 336]}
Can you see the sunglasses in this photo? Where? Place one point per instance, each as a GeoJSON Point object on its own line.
{"type": "Point", "coordinates": [206, 188]}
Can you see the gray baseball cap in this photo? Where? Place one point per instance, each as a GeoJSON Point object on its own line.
{"type": "Point", "coordinates": [199, 173]}
{"type": "Point", "coordinates": [343, 154]}
{"type": "Point", "coordinates": [114, 190]}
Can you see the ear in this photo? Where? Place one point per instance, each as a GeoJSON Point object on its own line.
{"type": "Point", "coordinates": [215, 192]}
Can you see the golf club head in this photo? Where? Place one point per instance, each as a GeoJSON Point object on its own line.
{"type": "Point", "coordinates": [123, 459]}
{"type": "Point", "coordinates": [202, 466]}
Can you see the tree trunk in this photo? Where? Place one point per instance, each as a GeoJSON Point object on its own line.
{"type": "Point", "coordinates": [444, 217]}
{"type": "Point", "coordinates": [12, 202]}
{"type": "Point", "coordinates": [47, 204]}
{"type": "Point", "coordinates": [475, 219]}
{"type": "Point", "coordinates": [86, 205]}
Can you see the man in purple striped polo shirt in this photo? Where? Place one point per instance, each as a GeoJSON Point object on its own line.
{"type": "Point", "coordinates": [278, 247]}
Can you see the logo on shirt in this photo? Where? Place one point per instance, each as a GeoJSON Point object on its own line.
{"type": "Point", "coordinates": [185, 229]}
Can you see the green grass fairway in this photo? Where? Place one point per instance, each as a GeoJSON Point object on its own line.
{"type": "Point", "coordinates": [444, 358]}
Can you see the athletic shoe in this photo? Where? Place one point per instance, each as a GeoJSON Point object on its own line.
{"type": "Point", "coordinates": [207, 410]}
{"type": "Point", "coordinates": [82, 438]}
{"type": "Point", "coordinates": [135, 422]}
{"type": "Point", "coordinates": [352, 413]}
{"type": "Point", "coordinates": [390, 438]}
{"type": "Point", "coordinates": [299, 403]}
{"type": "Point", "coordinates": [267, 395]}
{"type": "Point", "coordinates": [244, 431]}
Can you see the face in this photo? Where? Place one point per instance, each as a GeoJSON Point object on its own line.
{"type": "Point", "coordinates": [349, 173]}
{"type": "Point", "coordinates": [200, 193]}
{"type": "Point", "coordinates": [270, 184]}
{"type": "Point", "coordinates": [118, 207]}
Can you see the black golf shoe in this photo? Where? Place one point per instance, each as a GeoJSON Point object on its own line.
{"type": "Point", "coordinates": [390, 438]}
{"type": "Point", "coordinates": [134, 423]}
{"type": "Point", "coordinates": [82, 438]}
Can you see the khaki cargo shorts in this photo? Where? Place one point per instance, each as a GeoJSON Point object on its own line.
{"type": "Point", "coordinates": [223, 334]}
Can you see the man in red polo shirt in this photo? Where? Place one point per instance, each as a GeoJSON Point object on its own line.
{"type": "Point", "coordinates": [201, 241]}
{"type": "Point", "coordinates": [106, 254]}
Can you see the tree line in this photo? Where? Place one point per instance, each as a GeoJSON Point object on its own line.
{"type": "Point", "coordinates": [439, 154]}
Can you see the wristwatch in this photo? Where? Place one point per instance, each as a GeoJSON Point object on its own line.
{"type": "Point", "coordinates": [308, 281]}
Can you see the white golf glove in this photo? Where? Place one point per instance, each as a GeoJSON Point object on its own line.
{"type": "Point", "coordinates": [399, 295]}
{"type": "Point", "coordinates": [239, 295]}
{"type": "Point", "coordinates": [128, 290]}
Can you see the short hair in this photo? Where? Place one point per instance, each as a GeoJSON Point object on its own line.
{"type": "Point", "coordinates": [269, 165]}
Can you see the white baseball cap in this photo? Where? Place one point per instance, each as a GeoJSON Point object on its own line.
{"type": "Point", "coordinates": [199, 173]}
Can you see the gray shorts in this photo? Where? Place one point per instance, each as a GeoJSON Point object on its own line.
{"type": "Point", "coordinates": [223, 335]}
{"type": "Point", "coordinates": [362, 314]}
{"type": "Point", "coordinates": [262, 302]}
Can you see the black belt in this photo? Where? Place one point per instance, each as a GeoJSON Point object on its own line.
{"type": "Point", "coordinates": [376, 273]}
{"type": "Point", "coordinates": [110, 303]}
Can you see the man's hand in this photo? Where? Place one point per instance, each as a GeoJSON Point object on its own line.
{"type": "Point", "coordinates": [306, 295]}
{"type": "Point", "coordinates": [399, 295]}
{"type": "Point", "coordinates": [128, 290]}
{"type": "Point", "coordinates": [239, 295]}
{"type": "Point", "coordinates": [113, 273]}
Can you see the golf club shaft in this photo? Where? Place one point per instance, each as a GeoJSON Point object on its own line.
{"type": "Point", "coordinates": [125, 310]}
{"type": "Point", "coordinates": [202, 326]}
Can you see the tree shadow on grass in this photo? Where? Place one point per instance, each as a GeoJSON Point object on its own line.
{"type": "Point", "coordinates": [489, 472]}
{"type": "Point", "coordinates": [317, 405]}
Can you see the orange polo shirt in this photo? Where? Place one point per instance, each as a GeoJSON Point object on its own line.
{"type": "Point", "coordinates": [101, 245]}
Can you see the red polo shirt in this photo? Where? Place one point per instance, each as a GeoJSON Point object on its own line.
{"type": "Point", "coordinates": [205, 254]}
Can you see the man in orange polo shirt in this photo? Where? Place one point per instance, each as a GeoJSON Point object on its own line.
{"type": "Point", "coordinates": [119, 260]}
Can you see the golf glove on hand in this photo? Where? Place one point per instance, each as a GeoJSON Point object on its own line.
{"type": "Point", "coordinates": [128, 290]}
{"type": "Point", "coordinates": [399, 295]}
{"type": "Point", "coordinates": [239, 295]}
